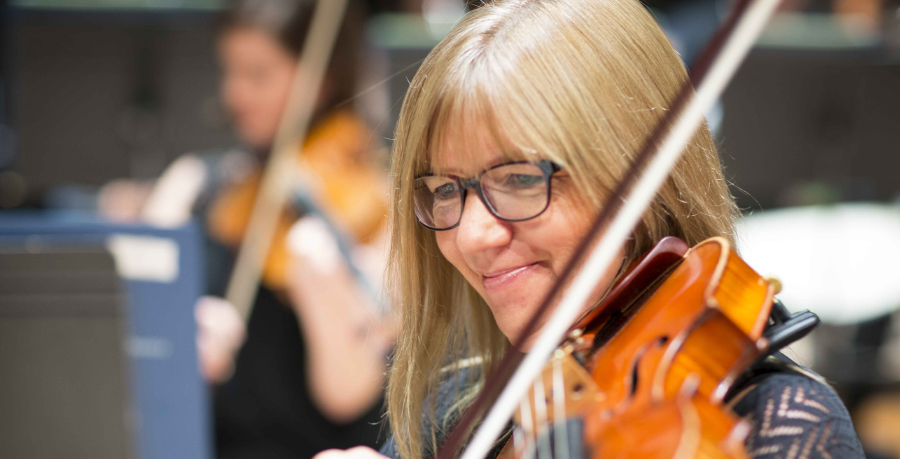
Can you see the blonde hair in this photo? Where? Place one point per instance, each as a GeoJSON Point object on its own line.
{"type": "Point", "coordinates": [580, 82]}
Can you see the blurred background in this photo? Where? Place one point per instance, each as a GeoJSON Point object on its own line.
{"type": "Point", "coordinates": [111, 110]}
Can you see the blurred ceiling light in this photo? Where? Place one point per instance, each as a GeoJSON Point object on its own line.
{"type": "Point", "coordinates": [442, 15]}
{"type": "Point", "coordinates": [819, 31]}
{"type": "Point", "coordinates": [838, 261]}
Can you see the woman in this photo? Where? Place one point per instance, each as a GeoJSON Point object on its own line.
{"type": "Point", "coordinates": [309, 374]}
{"type": "Point", "coordinates": [309, 366]}
{"type": "Point", "coordinates": [571, 88]}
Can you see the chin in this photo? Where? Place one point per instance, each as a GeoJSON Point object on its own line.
{"type": "Point", "coordinates": [513, 336]}
{"type": "Point", "coordinates": [516, 321]}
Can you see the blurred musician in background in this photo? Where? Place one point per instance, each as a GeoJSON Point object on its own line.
{"type": "Point", "coordinates": [309, 371]}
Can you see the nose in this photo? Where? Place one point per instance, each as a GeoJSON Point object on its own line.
{"type": "Point", "coordinates": [479, 230]}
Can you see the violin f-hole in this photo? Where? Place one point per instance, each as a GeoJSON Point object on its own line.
{"type": "Point", "coordinates": [641, 356]}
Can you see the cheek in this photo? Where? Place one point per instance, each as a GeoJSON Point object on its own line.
{"type": "Point", "coordinates": [572, 225]}
{"type": "Point", "coordinates": [278, 92]}
{"type": "Point", "coordinates": [446, 241]}
{"type": "Point", "coordinates": [568, 225]}
{"type": "Point", "coordinates": [273, 98]}
{"type": "Point", "coordinates": [233, 92]}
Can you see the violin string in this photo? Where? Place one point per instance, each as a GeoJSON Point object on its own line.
{"type": "Point", "coordinates": [560, 426]}
{"type": "Point", "coordinates": [518, 439]}
{"type": "Point", "coordinates": [527, 424]}
{"type": "Point", "coordinates": [379, 84]}
{"type": "Point", "coordinates": [540, 412]}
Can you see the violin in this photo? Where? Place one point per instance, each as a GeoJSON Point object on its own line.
{"type": "Point", "coordinates": [338, 184]}
{"type": "Point", "coordinates": [647, 372]}
{"type": "Point", "coordinates": [345, 182]}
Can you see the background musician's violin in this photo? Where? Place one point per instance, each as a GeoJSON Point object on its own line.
{"type": "Point", "coordinates": [281, 168]}
{"type": "Point", "coordinates": [338, 181]}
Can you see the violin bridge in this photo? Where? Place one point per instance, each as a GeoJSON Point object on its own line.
{"type": "Point", "coordinates": [580, 391]}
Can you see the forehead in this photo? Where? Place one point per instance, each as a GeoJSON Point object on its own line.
{"type": "Point", "coordinates": [466, 146]}
{"type": "Point", "coordinates": [465, 155]}
{"type": "Point", "coordinates": [249, 39]}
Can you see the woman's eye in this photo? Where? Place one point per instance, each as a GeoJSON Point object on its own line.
{"type": "Point", "coordinates": [445, 191]}
{"type": "Point", "coordinates": [521, 181]}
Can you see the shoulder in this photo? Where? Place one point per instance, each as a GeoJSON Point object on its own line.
{"type": "Point", "coordinates": [795, 415]}
{"type": "Point", "coordinates": [444, 402]}
{"type": "Point", "coordinates": [388, 449]}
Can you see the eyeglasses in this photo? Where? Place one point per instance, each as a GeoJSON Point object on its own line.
{"type": "Point", "coordinates": [512, 192]}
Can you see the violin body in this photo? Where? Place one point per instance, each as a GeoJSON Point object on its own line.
{"type": "Point", "coordinates": [647, 371]}
{"type": "Point", "coordinates": [349, 189]}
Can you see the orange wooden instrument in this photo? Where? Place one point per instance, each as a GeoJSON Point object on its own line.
{"type": "Point", "coordinates": [645, 374]}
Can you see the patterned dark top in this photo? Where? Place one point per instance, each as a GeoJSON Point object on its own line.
{"type": "Point", "coordinates": [793, 415]}
{"type": "Point", "coordinates": [797, 417]}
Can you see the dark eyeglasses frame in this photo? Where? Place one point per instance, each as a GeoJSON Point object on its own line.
{"type": "Point", "coordinates": [546, 166]}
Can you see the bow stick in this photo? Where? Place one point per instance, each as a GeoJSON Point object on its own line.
{"type": "Point", "coordinates": [283, 164]}
{"type": "Point", "coordinates": [619, 216]}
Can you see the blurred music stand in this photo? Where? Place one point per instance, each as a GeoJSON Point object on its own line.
{"type": "Point", "coordinates": [63, 381]}
{"type": "Point", "coordinates": [159, 277]}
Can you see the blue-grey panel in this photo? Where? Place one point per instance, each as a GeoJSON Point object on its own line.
{"type": "Point", "coordinates": [171, 401]}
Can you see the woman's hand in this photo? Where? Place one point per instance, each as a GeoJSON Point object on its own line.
{"type": "Point", "coordinates": [360, 452]}
{"type": "Point", "coordinates": [347, 341]}
{"type": "Point", "coordinates": [220, 333]}
{"type": "Point", "coordinates": [122, 200]}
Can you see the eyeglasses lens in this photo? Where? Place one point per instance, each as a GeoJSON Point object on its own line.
{"type": "Point", "coordinates": [513, 191]}
{"type": "Point", "coordinates": [438, 201]}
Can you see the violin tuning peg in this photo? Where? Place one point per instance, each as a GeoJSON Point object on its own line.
{"type": "Point", "coordinates": [775, 283]}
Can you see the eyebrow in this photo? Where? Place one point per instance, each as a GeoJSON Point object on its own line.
{"type": "Point", "coordinates": [496, 162]}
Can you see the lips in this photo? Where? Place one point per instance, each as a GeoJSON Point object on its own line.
{"type": "Point", "coordinates": [498, 279]}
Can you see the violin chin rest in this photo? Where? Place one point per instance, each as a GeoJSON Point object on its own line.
{"type": "Point", "coordinates": [787, 328]}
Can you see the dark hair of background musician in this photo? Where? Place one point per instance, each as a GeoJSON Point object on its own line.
{"type": "Point", "coordinates": [289, 22]}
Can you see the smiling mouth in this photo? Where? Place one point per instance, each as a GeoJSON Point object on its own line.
{"type": "Point", "coordinates": [501, 278]}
